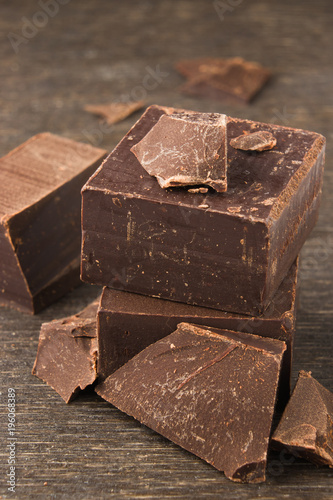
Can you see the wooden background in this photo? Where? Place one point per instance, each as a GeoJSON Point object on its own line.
{"type": "Point", "coordinates": [97, 51]}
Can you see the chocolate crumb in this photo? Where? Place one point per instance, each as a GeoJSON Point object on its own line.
{"type": "Point", "coordinates": [198, 190]}
{"type": "Point", "coordinates": [257, 141]}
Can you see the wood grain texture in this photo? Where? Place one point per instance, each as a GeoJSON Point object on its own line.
{"type": "Point", "coordinates": [94, 52]}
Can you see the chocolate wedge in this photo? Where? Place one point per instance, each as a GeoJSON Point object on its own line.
{"type": "Point", "coordinates": [306, 427]}
{"type": "Point", "coordinates": [210, 391]}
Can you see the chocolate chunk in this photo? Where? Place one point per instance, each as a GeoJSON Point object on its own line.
{"type": "Point", "coordinates": [116, 111]}
{"type": "Point", "coordinates": [40, 236]}
{"type": "Point", "coordinates": [129, 322]}
{"type": "Point", "coordinates": [210, 391]}
{"type": "Point", "coordinates": [306, 426]}
{"type": "Point", "coordinates": [67, 353]}
{"type": "Point", "coordinates": [229, 251]}
{"type": "Point", "coordinates": [257, 141]}
{"type": "Point", "coordinates": [186, 148]}
{"type": "Point", "coordinates": [219, 78]}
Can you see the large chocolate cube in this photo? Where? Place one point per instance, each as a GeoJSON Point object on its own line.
{"type": "Point", "coordinates": [40, 207]}
{"type": "Point", "coordinates": [228, 251]}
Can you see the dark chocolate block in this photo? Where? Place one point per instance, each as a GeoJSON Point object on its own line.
{"type": "Point", "coordinates": [40, 183]}
{"type": "Point", "coordinates": [210, 391]}
{"type": "Point", "coordinates": [67, 353]}
{"type": "Point", "coordinates": [220, 78]}
{"type": "Point", "coordinates": [306, 426]}
{"type": "Point", "coordinates": [129, 322]}
{"type": "Point", "coordinates": [229, 251]}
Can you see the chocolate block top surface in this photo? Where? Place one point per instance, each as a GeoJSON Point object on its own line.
{"type": "Point", "coordinates": [259, 183]}
{"type": "Point", "coordinates": [38, 166]}
{"type": "Point", "coordinates": [283, 304]}
{"type": "Point", "coordinates": [208, 390]}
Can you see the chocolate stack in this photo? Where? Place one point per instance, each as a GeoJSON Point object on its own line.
{"type": "Point", "coordinates": [193, 225]}
{"type": "Point", "coordinates": [225, 259]}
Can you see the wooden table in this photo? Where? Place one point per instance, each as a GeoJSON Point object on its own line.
{"type": "Point", "coordinates": [96, 51]}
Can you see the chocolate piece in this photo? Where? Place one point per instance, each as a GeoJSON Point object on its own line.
{"type": "Point", "coordinates": [40, 184]}
{"type": "Point", "coordinates": [306, 426]}
{"type": "Point", "coordinates": [210, 391]}
{"type": "Point", "coordinates": [258, 141]}
{"type": "Point", "coordinates": [227, 251]}
{"type": "Point", "coordinates": [186, 148]}
{"type": "Point", "coordinates": [67, 353]}
{"type": "Point", "coordinates": [219, 78]}
{"type": "Point", "coordinates": [116, 111]}
{"type": "Point", "coordinates": [201, 190]}
{"type": "Point", "coordinates": [129, 322]}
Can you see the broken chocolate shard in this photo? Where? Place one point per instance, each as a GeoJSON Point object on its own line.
{"type": "Point", "coordinates": [115, 111]}
{"type": "Point", "coordinates": [174, 245]}
{"type": "Point", "coordinates": [67, 353]}
{"type": "Point", "coordinates": [306, 426]}
{"type": "Point", "coordinates": [186, 148]}
{"type": "Point", "coordinates": [257, 141]}
{"type": "Point", "coordinates": [220, 78]}
{"type": "Point", "coordinates": [40, 218]}
{"type": "Point", "coordinates": [210, 391]}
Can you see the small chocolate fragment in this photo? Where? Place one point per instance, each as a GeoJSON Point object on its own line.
{"type": "Point", "coordinates": [40, 216]}
{"type": "Point", "coordinates": [257, 141]}
{"type": "Point", "coordinates": [210, 391]}
{"type": "Point", "coordinates": [116, 111]}
{"type": "Point", "coordinates": [219, 78]}
{"type": "Point", "coordinates": [201, 190]}
{"type": "Point", "coordinates": [128, 322]}
{"type": "Point", "coordinates": [306, 426]}
{"type": "Point", "coordinates": [67, 353]}
{"type": "Point", "coordinates": [228, 251]}
{"type": "Point", "coordinates": [186, 148]}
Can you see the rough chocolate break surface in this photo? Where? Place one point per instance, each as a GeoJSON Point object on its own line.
{"type": "Point", "coordinates": [186, 148]}
{"type": "Point", "coordinates": [208, 390]}
{"type": "Point", "coordinates": [67, 353]}
{"type": "Point", "coordinates": [306, 427]}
